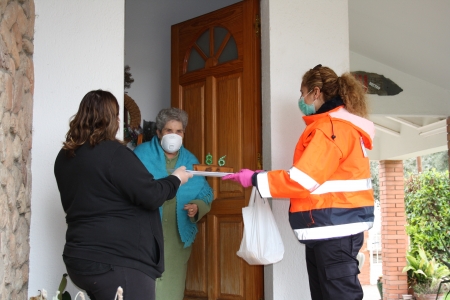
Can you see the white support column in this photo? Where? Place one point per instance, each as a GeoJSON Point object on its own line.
{"type": "Point", "coordinates": [296, 36]}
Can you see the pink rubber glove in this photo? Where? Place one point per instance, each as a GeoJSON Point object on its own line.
{"type": "Point", "coordinates": [244, 177]}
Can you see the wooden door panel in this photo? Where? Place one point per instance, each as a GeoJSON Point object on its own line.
{"type": "Point", "coordinates": [219, 70]}
{"type": "Point", "coordinates": [230, 266]}
{"type": "Point", "coordinates": [223, 101]}
{"type": "Point", "coordinates": [194, 105]}
{"type": "Point", "coordinates": [229, 129]}
{"type": "Point", "coordinates": [197, 281]}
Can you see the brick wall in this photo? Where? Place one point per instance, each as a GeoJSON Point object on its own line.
{"type": "Point", "coordinates": [364, 276]}
{"type": "Point", "coordinates": [394, 241]}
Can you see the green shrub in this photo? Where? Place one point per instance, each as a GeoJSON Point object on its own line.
{"type": "Point", "coordinates": [427, 203]}
{"type": "Point", "coordinates": [374, 171]}
{"type": "Point", "coordinates": [425, 275]}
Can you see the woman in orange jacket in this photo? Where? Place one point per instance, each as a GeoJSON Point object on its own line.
{"type": "Point", "coordinates": [329, 183]}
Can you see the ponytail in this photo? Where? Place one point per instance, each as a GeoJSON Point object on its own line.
{"type": "Point", "coordinates": [347, 87]}
{"type": "Point", "coordinates": [353, 94]}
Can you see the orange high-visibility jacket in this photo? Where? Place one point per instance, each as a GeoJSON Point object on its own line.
{"type": "Point", "coordinates": [329, 184]}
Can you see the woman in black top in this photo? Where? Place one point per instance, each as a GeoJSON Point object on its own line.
{"type": "Point", "coordinates": [114, 234]}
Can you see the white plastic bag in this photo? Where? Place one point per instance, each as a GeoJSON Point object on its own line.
{"type": "Point", "coordinates": [261, 243]}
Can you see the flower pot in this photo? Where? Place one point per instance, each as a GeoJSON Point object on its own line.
{"type": "Point", "coordinates": [428, 296]}
{"type": "Point", "coordinates": [380, 287]}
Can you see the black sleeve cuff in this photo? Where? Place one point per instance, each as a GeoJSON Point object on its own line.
{"type": "Point", "coordinates": [254, 179]}
{"type": "Point", "coordinates": [175, 180]}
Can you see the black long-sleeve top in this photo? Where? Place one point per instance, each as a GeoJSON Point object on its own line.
{"type": "Point", "coordinates": [111, 203]}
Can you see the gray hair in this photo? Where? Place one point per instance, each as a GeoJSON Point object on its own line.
{"type": "Point", "coordinates": [171, 114]}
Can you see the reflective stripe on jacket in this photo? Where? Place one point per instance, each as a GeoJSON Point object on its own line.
{"type": "Point", "coordinates": [329, 184]}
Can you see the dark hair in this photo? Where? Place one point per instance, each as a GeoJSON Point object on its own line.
{"type": "Point", "coordinates": [347, 87]}
{"type": "Point", "coordinates": [97, 120]}
{"type": "Point", "coordinates": [171, 114]}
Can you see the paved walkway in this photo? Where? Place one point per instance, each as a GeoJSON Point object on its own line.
{"type": "Point", "coordinates": [371, 292]}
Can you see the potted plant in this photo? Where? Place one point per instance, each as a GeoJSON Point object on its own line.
{"type": "Point", "coordinates": [380, 285]}
{"type": "Point", "coordinates": [447, 263]}
{"type": "Point", "coordinates": [425, 275]}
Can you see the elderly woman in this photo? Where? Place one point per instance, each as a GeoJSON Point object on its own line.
{"type": "Point", "coordinates": [180, 214]}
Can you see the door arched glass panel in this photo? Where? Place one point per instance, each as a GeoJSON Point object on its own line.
{"type": "Point", "coordinates": [229, 51]}
{"type": "Point", "coordinates": [203, 42]}
{"type": "Point", "coordinates": [219, 35]}
{"type": "Point", "coordinates": [196, 61]}
{"type": "Point", "coordinates": [202, 55]}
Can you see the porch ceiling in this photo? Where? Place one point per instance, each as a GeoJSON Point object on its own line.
{"type": "Point", "coordinates": [410, 36]}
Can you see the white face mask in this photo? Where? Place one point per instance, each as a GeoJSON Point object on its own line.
{"type": "Point", "coordinates": [171, 142]}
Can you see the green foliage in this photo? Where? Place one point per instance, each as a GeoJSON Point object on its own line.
{"type": "Point", "coordinates": [447, 251]}
{"type": "Point", "coordinates": [427, 203]}
{"type": "Point", "coordinates": [424, 275]}
{"type": "Point", "coordinates": [63, 295]}
{"type": "Point", "coordinates": [438, 161]}
{"type": "Point", "coordinates": [374, 167]}
{"type": "Point", "coordinates": [128, 77]}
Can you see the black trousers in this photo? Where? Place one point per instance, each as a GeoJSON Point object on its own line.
{"type": "Point", "coordinates": [333, 268]}
{"type": "Point", "coordinates": [135, 284]}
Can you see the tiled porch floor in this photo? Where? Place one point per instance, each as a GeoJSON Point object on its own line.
{"type": "Point", "coordinates": [371, 292]}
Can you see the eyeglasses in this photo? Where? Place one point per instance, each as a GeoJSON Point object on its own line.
{"type": "Point", "coordinates": [317, 67]}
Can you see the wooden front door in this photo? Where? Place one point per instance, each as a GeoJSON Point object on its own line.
{"type": "Point", "coordinates": [216, 80]}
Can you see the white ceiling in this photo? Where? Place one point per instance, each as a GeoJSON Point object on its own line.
{"type": "Point", "coordinates": [413, 37]}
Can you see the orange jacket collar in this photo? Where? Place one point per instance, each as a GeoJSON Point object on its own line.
{"type": "Point", "coordinates": [312, 118]}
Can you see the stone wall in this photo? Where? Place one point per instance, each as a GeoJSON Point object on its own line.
{"type": "Point", "coordinates": [16, 113]}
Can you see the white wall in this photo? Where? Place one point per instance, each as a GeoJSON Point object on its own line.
{"type": "Point", "coordinates": [296, 36]}
{"type": "Point", "coordinates": [78, 47]}
{"type": "Point", "coordinates": [147, 47]}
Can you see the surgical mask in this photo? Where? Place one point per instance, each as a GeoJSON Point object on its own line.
{"type": "Point", "coordinates": [171, 142]}
{"type": "Point", "coordinates": [307, 109]}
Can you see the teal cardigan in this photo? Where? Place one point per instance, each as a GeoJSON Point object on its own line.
{"type": "Point", "coordinates": [152, 156]}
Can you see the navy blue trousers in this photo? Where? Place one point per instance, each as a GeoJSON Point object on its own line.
{"type": "Point", "coordinates": [333, 268]}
